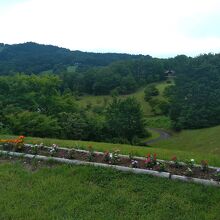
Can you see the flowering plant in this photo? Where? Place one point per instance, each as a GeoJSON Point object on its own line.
{"type": "Point", "coordinates": [160, 166]}
{"type": "Point", "coordinates": [176, 161]}
{"type": "Point", "coordinates": [151, 160]}
{"type": "Point", "coordinates": [53, 149]}
{"type": "Point", "coordinates": [134, 163]}
{"type": "Point", "coordinates": [217, 174]}
{"type": "Point", "coordinates": [35, 149]}
{"type": "Point", "coordinates": [189, 171]}
{"type": "Point", "coordinates": [204, 165]}
{"type": "Point", "coordinates": [114, 157]}
{"type": "Point", "coordinates": [191, 163]}
{"type": "Point", "coordinates": [91, 155]}
{"type": "Point", "coordinates": [106, 157]}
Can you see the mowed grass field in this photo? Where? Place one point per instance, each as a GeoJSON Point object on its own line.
{"type": "Point", "coordinates": [205, 140]}
{"type": "Point", "coordinates": [79, 192]}
{"type": "Point", "coordinates": [201, 144]}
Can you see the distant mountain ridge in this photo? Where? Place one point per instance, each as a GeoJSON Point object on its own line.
{"type": "Point", "coordinates": [31, 57]}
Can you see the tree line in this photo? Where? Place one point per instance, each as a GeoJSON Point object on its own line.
{"type": "Point", "coordinates": [35, 106]}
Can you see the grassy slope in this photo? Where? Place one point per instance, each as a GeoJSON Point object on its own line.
{"type": "Point", "coordinates": [205, 140]}
{"type": "Point", "coordinates": [139, 95]}
{"type": "Point", "coordinates": [79, 192]}
{"type": "Point", "coordinates": [182, 146]}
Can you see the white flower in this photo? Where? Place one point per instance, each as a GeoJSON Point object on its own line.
{"type": "Point", "coordinates": [110, 155]}
{"type": "Point", "coordinates": [192, 160]}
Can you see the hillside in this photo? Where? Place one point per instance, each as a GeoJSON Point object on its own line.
{"type": "Point", "coordinates": [102, 100]}
{"type": "Point", "coordinates": [35, 58]}
{"type": "Point", "coordinates": [200, 140]}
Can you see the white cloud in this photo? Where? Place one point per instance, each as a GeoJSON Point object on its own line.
{"type": "Point", "coordinates": [156, 27]}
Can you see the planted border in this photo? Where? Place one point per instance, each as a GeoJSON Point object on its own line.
{"type": "Point", "coordinates": [167, 175]}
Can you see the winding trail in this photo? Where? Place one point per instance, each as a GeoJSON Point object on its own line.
{"type": "Point", "coordinates": [163, 135]}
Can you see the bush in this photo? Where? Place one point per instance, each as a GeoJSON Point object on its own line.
{"type": "Point", "coordinates": [33, 124]}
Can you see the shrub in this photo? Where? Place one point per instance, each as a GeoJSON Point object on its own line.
{"type": "Point", "coordinates": [115, 157]}
{"type": "Point", "coordinates": [176, 161]}
{"type": "Point", "coordinates": [191, 163]}
{"type": "Point", "coordinates": [204, 165]}
{"type": "Point", "coordinates": [106, 157]}
{"type": "Point", "coordinates": [91, 155]}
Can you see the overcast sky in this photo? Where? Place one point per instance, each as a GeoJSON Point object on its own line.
{"type": "Point", "coordinates": [161, 28]}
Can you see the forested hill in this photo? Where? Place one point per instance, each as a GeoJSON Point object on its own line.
{"type": "Point", "coordinates": [34, 58]}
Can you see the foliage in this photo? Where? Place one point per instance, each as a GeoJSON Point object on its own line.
{"type": "Point", "coordinates": [204, 165]}
{"type": "Point", "coordinates": [25, 58]}
{"type": "Point", "coordinates": [124, 119]}
{"type": "Point", "coordinates": [114, 157]}
{"type": "Point", "coordinates": [189, 171]}
{"type": "Point", "coordinates": [160, 166]}
{"type": "Point", "coordinates": [71, 154]}
{"type": "Point", "coordinates": [195, 99]}
{"type": "Point", "coordinates": [35, 106]}
{"type": "Point", "coordinates": [91, 155]}
{"type": "Point", "coordinates": [217, 174]}
{"type": "Point", "coordinates": [106, 157]}
{"type": "Point", "coordinates": [33, 124]}
{"type": "Point", "coordinates": [151, 160]}
{"type": "Point", "coordinates": [191, 163]}
{"type": "Point", "coordinates": [176, 161]}
{"type": "Point", "coordinates": [150, 91]}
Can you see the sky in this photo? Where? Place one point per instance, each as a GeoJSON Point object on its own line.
{"type": "Point", "coordinates": [160, 28]}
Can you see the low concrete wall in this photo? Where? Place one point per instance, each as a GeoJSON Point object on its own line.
{"type": "Point", "coordinates": [121, 168]}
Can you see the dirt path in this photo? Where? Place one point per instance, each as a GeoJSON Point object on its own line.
{"type": "Point", "coordinates": [163, 135]}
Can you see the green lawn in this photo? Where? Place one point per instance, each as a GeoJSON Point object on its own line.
{"type": "Point", "coordinates": [205, 140]}
{"type": "Point", "coordinates": [79, 192]}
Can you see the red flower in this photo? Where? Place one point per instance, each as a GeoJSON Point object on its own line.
{"type": "Point", "coordinates": [148, 160]}
{"type": "Point", "coordinates": [174, 158]}
{"type": "Point", "coordinates": [148, 155]}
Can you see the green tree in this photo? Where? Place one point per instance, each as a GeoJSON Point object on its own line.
{"type": "Point", "coordinates": [150, 91]}
{"type": "Point", "coordinates": [124, 119]}
{"type": "Point", "coordinates": [33, 124]}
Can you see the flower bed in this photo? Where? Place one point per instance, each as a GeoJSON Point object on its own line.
{"type": "Point", "coordinates": [174, 168]}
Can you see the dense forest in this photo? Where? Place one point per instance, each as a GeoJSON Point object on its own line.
{"type": "Point", "coordinates": [39, 85]}
{"type": "Point", "coordinates": [35, 58]}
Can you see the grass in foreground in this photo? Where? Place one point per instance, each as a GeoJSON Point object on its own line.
{"type": "Point", "coordinates": [79, 192]}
